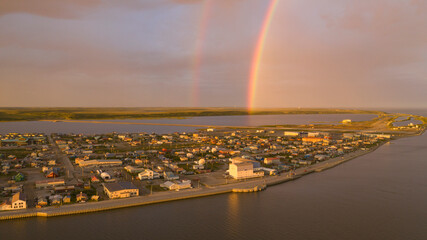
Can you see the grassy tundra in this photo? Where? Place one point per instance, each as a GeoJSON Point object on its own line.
{"type": "Point", "coordinates": [33, 114]}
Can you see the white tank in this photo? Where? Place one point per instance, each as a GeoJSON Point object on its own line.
{"type": "Point", "coordinates": [105, 176]}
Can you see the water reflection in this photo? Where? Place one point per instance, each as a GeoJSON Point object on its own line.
{"type": "Point", "coordinates": [234, 218]}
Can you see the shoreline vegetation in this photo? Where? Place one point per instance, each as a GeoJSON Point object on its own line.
{"type": "Point", "coordinates": [35, 114]}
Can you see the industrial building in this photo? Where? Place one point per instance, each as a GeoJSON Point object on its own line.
{"type": "Point", "coordinates": [241, 168]}
{"type": "Point", "coordinates": [120, 190]}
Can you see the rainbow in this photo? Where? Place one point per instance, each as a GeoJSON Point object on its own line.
{"type": "Point", "coordinates": [197, 59]}
{"type": "Point", "coordinates": [256, 59]}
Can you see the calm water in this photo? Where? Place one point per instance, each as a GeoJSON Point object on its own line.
{"type": "Point", "coordinates": [257, 120]}
{"type": "Point", "coordinates": [85, 128]}
{"type": "Point", "coordinates": [381, 195]}
{"type": "Point", "coordinates": [251, 120]}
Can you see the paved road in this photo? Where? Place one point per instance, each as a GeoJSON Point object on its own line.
{"type": "Point", "coordinates": [63, 159]}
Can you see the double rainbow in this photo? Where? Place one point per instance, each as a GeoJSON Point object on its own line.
{"type": "Point", "coordinates": [256, 59]}
{"type": "Point", "coordinates": [198, 52]}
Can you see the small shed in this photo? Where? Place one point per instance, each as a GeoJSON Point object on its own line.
{"type": "Point", "coordinates": [81, 197]}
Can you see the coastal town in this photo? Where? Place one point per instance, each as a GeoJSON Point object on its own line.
{"type": "Point", "coordinates": [40, 171]}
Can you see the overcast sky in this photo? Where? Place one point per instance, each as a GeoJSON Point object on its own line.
{"type": "Point", "coordinates": [130, 53]}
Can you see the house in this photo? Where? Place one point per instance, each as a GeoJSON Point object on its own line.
{"type": "Point", "coordinates": [55, 200]}
{"type": "Point", "coordinates": [41, 201]}
{"type": "Point", "coordinates": [268, 171]}
{"type": "Point", "coordinates": [271, 161]}
{"type": "Point", "coordinates": [81, 197]}
{"type": "Point", "coordinates": [66, 199]}
{"type": "Point", "coordinates": [51, 162]}
{"type": "Point", "coordinates": [53, 173]}
{"type": "Point", "coordinates": [313, 134]}
{"type": "Point", "coordinates": [18, 177]}
{"type": "Point", "coordinates": [201, 161]}
{"type": "Point", "coordinates": [94, 179]}
{"type": "Point", "coordinates": [132, 169]}
{"type": "Point", "coordinates": [138, 162]}
{"type": "Point", "coordinates": [120, 190]}
{"type": "Point", "coordinates": [148, 174]}
{"type": "Point", "coordinates": [170, 176]}
{"type": "Point", "coordinates": [13, 188]}
{"type": "Point", "coordinates": [320, 157]}
{"type": "Point", "coordinates": [198, 167]}
{"type": "Point", "coordinates": [177, 185]}
{"type": "Point", "coordinates": [17, 201]}
{"type": "Point", "coordinates": [86, 185]}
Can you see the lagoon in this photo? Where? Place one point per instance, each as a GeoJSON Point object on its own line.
{"type": "Point", "coordinates": [243, 120]}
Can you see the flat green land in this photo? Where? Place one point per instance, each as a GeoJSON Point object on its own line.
{"type": "Point", "coordinates": [33, 114]}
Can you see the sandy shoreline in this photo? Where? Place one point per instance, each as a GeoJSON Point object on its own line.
{"type": "Point", "coordinates": [250, 185]}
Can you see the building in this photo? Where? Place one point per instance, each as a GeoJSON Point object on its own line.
{"type": "Point", "coordinates": [105, 176]}
{"type": "Point", "coordinates": [19, 177]}
{"type": "Point", "coordinates": [313, 134]}
{"type": "Point", "coordinates": [66, 199]}
{"type": "Point", "coordinates": [268, 171]}
{"type": "Point", "coordinates": [240, 168]}
{"type": "Point", "coordinates": [81, 197]}
{"type": "Point", "coordinates": [271, 161]}
{"type": "Point", "coordinates": [50, 183]}
{"type": "Point", "coordinates": [170, 176]}
{"type": "Point", "coordinates": [99, 162]}
{"type": "Point", "coordinates": [41, 201]}
{"type": "Point", "coordinates": [55, 200]}
{"type": "Point", "coordinates": [52, 173]}
{"type": "Point", "coordinates": [120, 190]}
{"type": "Point", "coordinates": [312, 139]}
{"type": "Point", "coordinates": [291, 134]}
{"type": "Point", "coordinates": [346, 121]}
{"type": "Point", "coordinates": [17, 201]}
{"type": "Point", "coordinates": [177, 185]}
{"type": "Point", "coordinates": [148, 174]}
{"type": "Point", "coordinates": [132, 169]}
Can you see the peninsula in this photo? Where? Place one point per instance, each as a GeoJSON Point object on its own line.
{"type": "Point", "coordinates": [59, 174]}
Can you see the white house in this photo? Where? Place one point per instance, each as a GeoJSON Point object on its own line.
{"type": "Point", "coordinates": [148, 174]}
{"type": "Point", "coordinates": [177, 185]}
